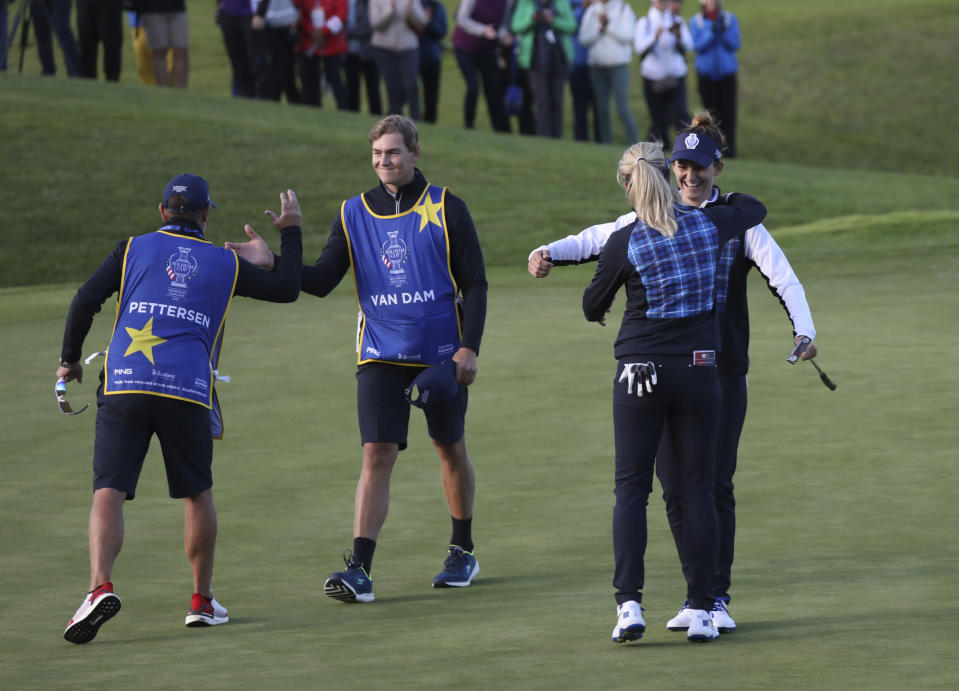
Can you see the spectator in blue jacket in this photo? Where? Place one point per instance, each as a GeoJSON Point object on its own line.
{"type": "Point", "coordinates": [716, 39]}
{"type": "Point", "coordinates": [579, 84]}
{"type": "Point", "coordinates": [431, 56]}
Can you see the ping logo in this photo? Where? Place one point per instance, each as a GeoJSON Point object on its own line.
{"type": "Point", "coordinates": [123, 370]}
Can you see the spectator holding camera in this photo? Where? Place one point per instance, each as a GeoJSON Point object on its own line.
{"type": "Point", "coordinates": [661, 39]}
{"type": "Point", "coordinates": [607, 32]}
{"type": "Point", "coordinates": [716, 39]}
{"type": "Point", "coordinates": [546, 50]}
{"type": "Point", "coordinates": [396, 47]}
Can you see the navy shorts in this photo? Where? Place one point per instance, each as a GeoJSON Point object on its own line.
{"type": "Point", "coordinates": [384, 412]}
{"type": "Point", "coordinates": [125, 425]}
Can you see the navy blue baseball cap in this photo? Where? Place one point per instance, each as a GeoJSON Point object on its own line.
{"type": "Point", "coordinates": [193, 187]}
{"type": "Point", "coordinates": [696, 147]}
{"type": "Point", "coordinates": [436, 386]}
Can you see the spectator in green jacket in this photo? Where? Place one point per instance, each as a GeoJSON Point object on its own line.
{"type": "Point", "coordinates": [544, 28]}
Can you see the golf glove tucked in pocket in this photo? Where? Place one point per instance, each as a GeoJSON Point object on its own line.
{"type": "Point", "coordinates": [643, 374]}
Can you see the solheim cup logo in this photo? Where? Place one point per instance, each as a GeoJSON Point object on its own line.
{"type": "Point", "coordinates": [180, 267]}
{"type": "Point", "coordinates": [692, 141]}
{"type": "Point", "coordinates": [393, 252]}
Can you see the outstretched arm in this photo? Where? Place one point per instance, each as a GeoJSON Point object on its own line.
{"type": "Point", "coordinates": [284, 284]}
{"type": "Point", "coordinates": [575, 249]}
{"type": "Point", "coordinates": [763, 251]}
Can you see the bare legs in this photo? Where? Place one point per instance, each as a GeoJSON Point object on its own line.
{"type": "Point", "coordinates": [199, 539]}
{"type": "Point", "coordinates": [106, 533]}
{"type": "Point", "coordinates": [373, 488]}
{"type": "Point", "coordinates": [458, 480]}
{"type": "Point", "coordinates": [181, 67]}
{"type": "Point", "coordinates": [106, 536]}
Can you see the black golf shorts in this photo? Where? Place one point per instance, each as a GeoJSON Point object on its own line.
{"type": "Point", "coordinates": [125, 425]}
{"type": "Point", "coordinates": [384, 412]}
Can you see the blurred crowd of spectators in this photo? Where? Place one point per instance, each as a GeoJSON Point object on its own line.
{"type": "Point", "coordinates": [524, 53]}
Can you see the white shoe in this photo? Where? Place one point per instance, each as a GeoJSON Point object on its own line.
{"type": "Point", "coordinates": [681, 621]}
{"type": "Point", "coordinates": [99, 606]}
{"type": "Point", "coordinates": [701, 628]}
{"type": "Point", "coordinates": [723, 622]}
{"type": "Point", "coordinates": [203, 613]}
{"type": "Point", "coordinates": [629, 622]}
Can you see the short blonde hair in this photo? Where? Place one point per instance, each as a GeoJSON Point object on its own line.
{"type": "Point", "coordinates": [643, 173]}
{"type": "Point", "coordinates": [397, 124]}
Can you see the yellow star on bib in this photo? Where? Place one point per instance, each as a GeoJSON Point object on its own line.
{"type": "Point", "coordinates": [429, 212]}
{"type": "Point", "coordinates": [143, 341]}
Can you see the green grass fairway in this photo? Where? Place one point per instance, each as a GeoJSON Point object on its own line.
{"type": "Point", "coordinates": [846, 557]}
{"type": "Point", "coordinates": [846, 553]}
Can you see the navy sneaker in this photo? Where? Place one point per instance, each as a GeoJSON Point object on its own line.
{"type": "Point", "coordinates": [352, 585]}
{"type": "Point", "coordinates": [459, 569]}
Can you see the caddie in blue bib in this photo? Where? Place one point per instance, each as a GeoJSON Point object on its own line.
{"type": "Point", "coordinates": [404, 286]}
{"type": "Point", "coordinates": [174, 297]}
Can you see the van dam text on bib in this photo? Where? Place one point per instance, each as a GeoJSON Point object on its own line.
{"type": "Point", "coordinates": [405, 290]}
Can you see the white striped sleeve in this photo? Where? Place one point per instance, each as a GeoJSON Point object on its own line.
{"type": "Point", "coordinates": [763, 251]}
{"type": "Point", "coordinates": [587, 244]}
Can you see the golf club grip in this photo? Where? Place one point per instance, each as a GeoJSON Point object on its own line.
{"type": "Point", "coordinates": [827, 381]}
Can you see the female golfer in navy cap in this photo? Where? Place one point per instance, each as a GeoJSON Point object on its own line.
{"type": "Point", "coordinates": [666, 379]}
{"type": "Point", "coordinates": [696, 161]}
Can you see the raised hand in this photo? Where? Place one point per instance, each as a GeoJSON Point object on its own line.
{"type": "Point", "coordinates": [290, 214]}
{"type": "Point", "coordinates": [256, 251]}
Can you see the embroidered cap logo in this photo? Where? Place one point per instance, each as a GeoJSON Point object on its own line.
{"type": "Point", "coordinates": [692, 141]}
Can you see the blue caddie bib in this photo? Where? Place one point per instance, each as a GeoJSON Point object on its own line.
{"type": "Point", "coordinates": [174, 296]}
{"type": "Point", "coordinates": [404, 285]}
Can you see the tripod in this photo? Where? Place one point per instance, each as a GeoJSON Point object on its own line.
{"type": "Point", "coordinates": [22, 14]}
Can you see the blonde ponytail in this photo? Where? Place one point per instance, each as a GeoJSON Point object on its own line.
{"type": "Point", "coordinates": [648, 191]}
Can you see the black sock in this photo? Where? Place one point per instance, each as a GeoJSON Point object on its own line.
{"type": "Point", "coordinates": [363, 549]}
{"type": "Point", "coordinates": [462, 533]}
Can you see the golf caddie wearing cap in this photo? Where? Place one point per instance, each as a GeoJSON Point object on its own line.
{"type": "Point", "coordinates": [174, 290]}
{"type": "Point", "coordinates": [414, 251]}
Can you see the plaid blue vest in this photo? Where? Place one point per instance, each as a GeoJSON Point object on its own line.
{"type": "Point", "coordinates": [678, 273]}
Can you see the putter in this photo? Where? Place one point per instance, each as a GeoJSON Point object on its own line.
{"type": "Point", "coordinates": [794, 356]}
{"type": "Point", "coordinates": [798, 350]}
{"type": "Point", "coordinates": [830, 384]}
